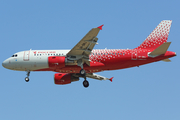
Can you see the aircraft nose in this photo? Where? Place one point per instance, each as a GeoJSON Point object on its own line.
{"type": "Point", "coordinates": [4, 64]}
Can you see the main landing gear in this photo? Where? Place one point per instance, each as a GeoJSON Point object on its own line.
{"type": "Point", "coordinates": [27, 78]}
{"type": "Point", "coordinates": [83, 74]}
{"type": "Point", "coordinates": [85, 83]}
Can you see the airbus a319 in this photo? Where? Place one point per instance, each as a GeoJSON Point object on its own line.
{"type": "Point", "coordinates": [83, 62]}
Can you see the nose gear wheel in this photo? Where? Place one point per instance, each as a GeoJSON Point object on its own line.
{"type": "Point", "coordinates": [26, 79]}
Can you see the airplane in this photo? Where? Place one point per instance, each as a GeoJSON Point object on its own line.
{"type": "Point", "coordinates": [83, 62]}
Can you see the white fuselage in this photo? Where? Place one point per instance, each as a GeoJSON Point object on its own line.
{"type": "Point", "coordinates": [31, 60]}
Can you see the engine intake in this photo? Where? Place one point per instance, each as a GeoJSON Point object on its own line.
{"type": "Point", "coordinates": [64, 78]}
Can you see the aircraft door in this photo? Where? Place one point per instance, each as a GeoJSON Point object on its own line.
{"type": "Point", "coordinates": [26, 55]}
{"type": "Point", "coordinates": [134, 55]}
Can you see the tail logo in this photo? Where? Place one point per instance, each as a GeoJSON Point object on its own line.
{"type": "Point", "coordinates": [158, 36]}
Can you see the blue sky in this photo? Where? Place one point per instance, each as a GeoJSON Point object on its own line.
{"type": "Point", "coordinates": [150, 92]}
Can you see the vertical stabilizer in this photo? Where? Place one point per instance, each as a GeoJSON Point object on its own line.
{"type": "Point", "coordinates": [158, 36]}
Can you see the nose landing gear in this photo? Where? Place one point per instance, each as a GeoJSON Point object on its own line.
{"type": "Point", "coordinates": [27, 78]}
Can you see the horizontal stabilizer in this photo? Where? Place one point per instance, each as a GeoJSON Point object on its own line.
{"type": "Point", "coordinates": [160, 50]}
{"type": "Point", "coordinates": [166, 60]}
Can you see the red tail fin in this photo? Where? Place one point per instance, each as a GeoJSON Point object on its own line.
{"type": "Point", "coordinates": [158, 36]}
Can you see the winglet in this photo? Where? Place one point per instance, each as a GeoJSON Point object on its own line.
{"type": "Point", "coordinates": [111, 79]}
{"type": "Point", "coordinates": [100, 27]}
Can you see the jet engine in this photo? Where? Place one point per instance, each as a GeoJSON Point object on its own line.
{"type": "Point", "coordinates": [64, 78]}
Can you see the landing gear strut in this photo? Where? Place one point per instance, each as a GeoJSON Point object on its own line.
{"type": "Point", "coordinates": [83, 74]}
{"type": "Point", "coordinates": [27, 78]}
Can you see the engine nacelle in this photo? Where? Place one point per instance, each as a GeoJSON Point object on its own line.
{"type": "Point", "coordinates": [64, 78]}
{"type": "Point", "coordinates": [56, 62]}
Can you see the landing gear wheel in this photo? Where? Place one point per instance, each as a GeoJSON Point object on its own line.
{"type": "Point", "coordinates": [82, 72]}
{"type": "Point", "coordinates": [85, 83]}
{"type": "Point", "coordinates": [27, 79]}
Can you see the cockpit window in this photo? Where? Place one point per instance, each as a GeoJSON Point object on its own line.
{"type": "Point", "coordinates": [14, 55]}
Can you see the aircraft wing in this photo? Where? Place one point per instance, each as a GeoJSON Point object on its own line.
{"type": "Point", "coordinates": [83, 48]}
{"type": "Point", "coordinates": [97, 77]}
